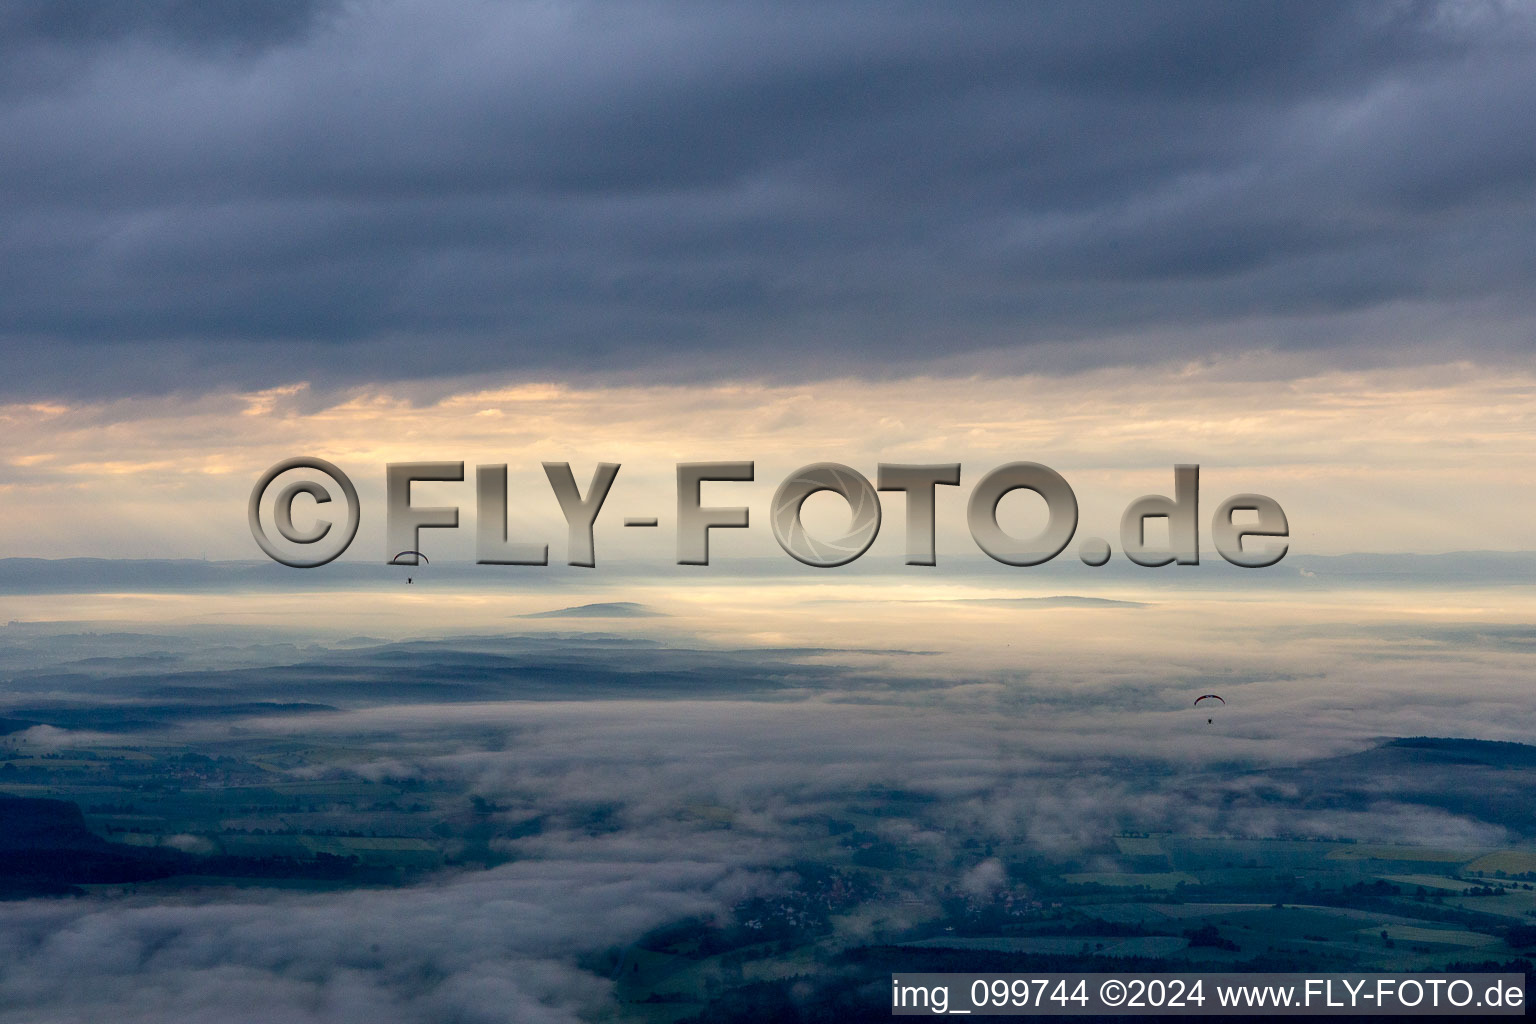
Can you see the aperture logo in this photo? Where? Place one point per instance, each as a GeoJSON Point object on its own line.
{"type": "Point", "coordinates": [325, 539]}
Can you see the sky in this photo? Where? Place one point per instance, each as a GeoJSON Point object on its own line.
{"type": "Point", "coordinates": [1292, 243]}
{"type": "Point", "coordinates": [1408, 459]}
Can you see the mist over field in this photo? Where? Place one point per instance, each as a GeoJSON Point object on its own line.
{"type": "Point", "coordinates": [548, 800]}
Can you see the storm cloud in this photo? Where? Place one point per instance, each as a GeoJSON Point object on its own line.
{"type": "Point", "coordinates": [387, 191]}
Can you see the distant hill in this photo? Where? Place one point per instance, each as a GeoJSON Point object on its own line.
{"type": "Point", "coordinates": [28, 823]}
{"type": "Point", "coordinates": [45, 847]}
{"type": "Point", "coordinates": [143, 717]}
{"type": "Point", "coordinates": [1491, 780]}
{"type": "Point", "coordinates": [1455, 750]}
{"type": "Point", "coordinates": [189, 575]}
{"type": "Point", "coordinates": [600, 610]}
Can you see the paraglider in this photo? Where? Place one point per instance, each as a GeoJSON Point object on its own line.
{"type": "Point", "coordinates": [1208, 696]}
{"type": "Point", "coordinates": [420, 558]}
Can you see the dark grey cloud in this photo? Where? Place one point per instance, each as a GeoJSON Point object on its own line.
{"type": "Point", "coordinates": [48, 46]}
{"type": "Point", "coordinates": [45, 23]}
{"type": "Point", "coordinates": [385, 191]}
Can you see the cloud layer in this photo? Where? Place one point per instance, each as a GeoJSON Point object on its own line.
{"type": "Point", "coordinates": [384, 190]}
{"type": "Point", "coordinates": [495, 946]}
{"type": "Point", "coordinates": [658, 807]}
